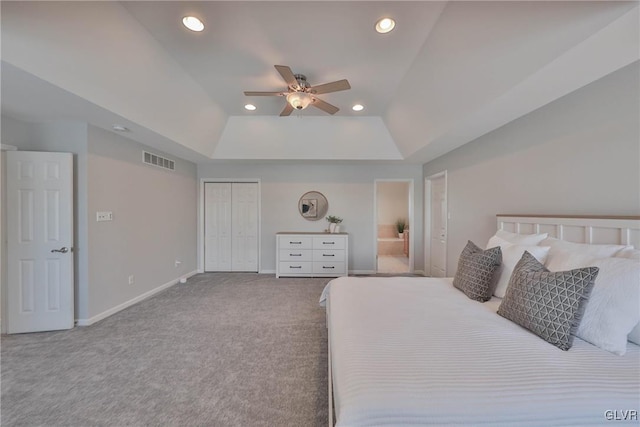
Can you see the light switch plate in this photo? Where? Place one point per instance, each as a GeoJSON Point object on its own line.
{"type": "Point", "coordinates": [104, 216]}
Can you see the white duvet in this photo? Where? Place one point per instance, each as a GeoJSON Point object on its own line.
{"type": "Point", "coordinates": [416, 351]}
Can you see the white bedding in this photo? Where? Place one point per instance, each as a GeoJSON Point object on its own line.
{"type": "Point", "coordinates": [416, 351]}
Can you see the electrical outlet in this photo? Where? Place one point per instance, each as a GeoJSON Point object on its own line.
{"type": "Point", "coordinates": [177, 264]}
{"type": "Point", "coordinates": [132, 279]}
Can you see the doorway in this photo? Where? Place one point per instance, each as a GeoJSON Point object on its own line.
{"type": "Point", "coordinates": [436, 227]}
{"type": "Point", "coordinates": [393, 220]}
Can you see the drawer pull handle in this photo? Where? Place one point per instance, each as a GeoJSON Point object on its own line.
{"type": "Point", "coordinates": [328, 254]}
{"type": "Point", "coordinates": [295, 266]}
{"type": "Point", "coordinates": [324, 266]}
{"type": "Point", "coordinates": [295, 243]}
{"type": "Point", "coordinates": [295, 254]}
{"type": "Point", "coordinates": [328, 243]}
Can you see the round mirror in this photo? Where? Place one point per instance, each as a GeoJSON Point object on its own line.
{"type": "Point", "coordinates": [313, 206]}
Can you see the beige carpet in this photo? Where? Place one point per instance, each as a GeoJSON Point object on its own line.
{"type": "Point", "coordinates": [221, 350]}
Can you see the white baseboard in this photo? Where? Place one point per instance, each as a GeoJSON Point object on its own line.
{"type": "Point", "coordinates": [267, 272]}
{"type": "Point", "coordinates": [421, 272]}
{"type": "Point", "coordinates": [120, 307]}
{"type": "Point", "coordinates": [351, 272]}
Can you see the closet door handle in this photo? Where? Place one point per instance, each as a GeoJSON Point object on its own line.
{"type": "Point", "coordinates": [328, 254]}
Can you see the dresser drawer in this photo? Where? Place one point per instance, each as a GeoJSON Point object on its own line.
{"type": "Point", "coordinates": [328, 255]}
{"type": "Point", "coordinates": [295, 267]}
{"type": "Point", "coordinates": [295, 242]}
{"type": "Point", "coordinates": [295, 255]}
{"type": "Point", "coordinates": [329, 242]}
{"type": "Point", "coordinates": [334, 268]}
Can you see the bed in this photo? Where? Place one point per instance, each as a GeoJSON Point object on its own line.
{"type": "Point", "coordinates": [417, 351]}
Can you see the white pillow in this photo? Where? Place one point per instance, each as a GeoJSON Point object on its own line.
{"type": "Point", "coordinates": [561, 249]}
{"type": "Point", "coordinates": [613, 309]}
{"type": "Point", "coordinates": [629, 253]}
{"type": "Point", "coordinates": [516, 239]}
{"type": "Point", "coordinates": [634, 335]}
{"type": "Point", "coordinates": [511, 254]}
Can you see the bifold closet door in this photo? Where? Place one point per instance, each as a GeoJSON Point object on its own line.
{"type": "Point", "coordinates": [244, 226]}
{"type": "Point", "coordinates": [231, 226]}
{"type": "Point", "coordinates": [217, 226]}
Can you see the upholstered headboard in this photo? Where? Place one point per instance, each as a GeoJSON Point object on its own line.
{"type": "Point", "coordinates": [619, 230]}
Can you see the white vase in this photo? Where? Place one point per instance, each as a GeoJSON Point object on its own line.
{"type": "Point", "coordinates": [332, 227]}
{"type": "Point", "coordinates": [337, 228]}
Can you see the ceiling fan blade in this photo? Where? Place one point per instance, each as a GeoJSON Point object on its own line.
{"type": "Point", "coordinates": [287, 110]}
{"type": "Point", "coordinates": [287, 75]}
{"type": "Point", "coordinates": [324, 106]}
{"type": "Point", "coordinates": [331, 87]}
{"type": "Point", "coordinates": [263, 93]}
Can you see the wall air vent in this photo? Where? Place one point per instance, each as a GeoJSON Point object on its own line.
{"type": "Point", "coordinates": [155, 160]}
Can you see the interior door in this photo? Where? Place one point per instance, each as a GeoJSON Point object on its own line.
{"type": "Point", "coordinates": [40, 292]}
{"type": "Point", "coordinates": [438, 215]}
{"type": "Point", "coordinates": [217, 226]}
{"type": "Point", "coordinates": [244, 226]}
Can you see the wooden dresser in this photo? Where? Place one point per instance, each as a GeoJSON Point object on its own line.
{"type": "Point", "coordinates": [312, 254]}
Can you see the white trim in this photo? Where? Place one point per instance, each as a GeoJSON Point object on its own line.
{"type": "Point", "coordinates": [410, 207]}
{"type": "Point", "coordinates": [200, 218]}
{"type": "Point", "coordinates": [352, 272]}
{"type": "Point", "coordinates": [267, 272]}
{"type": "Point", "coordinates": [427, 220]}
{"type": "Point", "coordinates": [126, 304]}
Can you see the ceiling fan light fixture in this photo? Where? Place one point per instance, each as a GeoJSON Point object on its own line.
{"type": "Point", "coordinates": [299, 100]}
{"type": "Point", "coordinates": [193, 23]}
{"type": "Point", "coordinates": [250, 107]}
{"type": "Point", "coordinates": [358, 107]}
{"type": "Point", "coordinates": [385, 25]}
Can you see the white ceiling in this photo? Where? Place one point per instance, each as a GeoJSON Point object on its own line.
{"type": "Point", "coordinates": [449, 72]}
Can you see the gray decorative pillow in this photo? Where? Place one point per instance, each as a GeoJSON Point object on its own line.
{"type": "Point", "coordinates": [476, 268]}
{"type": "Point", "coordinates": [549, 304]}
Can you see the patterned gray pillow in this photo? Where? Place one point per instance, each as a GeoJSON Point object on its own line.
{"type": "Point", "coordinates": [476, 268]}
{"type": "Point", "coordinates": [549, 304]}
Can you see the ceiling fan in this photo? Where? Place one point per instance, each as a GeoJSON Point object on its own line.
{"type": "Point", "coordinates": [300, 94]}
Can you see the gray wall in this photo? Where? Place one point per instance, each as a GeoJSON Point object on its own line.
{"type": "Point", "coordinates": [349, 188]}
{"type": "Point", "coordinates": [154, 223]}
{"type": "Point", "coordinates": [577, 155]}
{"type": "Point", "coordinates": [154, 213]}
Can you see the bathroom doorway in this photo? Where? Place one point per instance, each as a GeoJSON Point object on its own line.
{"type": "Point", "coordinates": [394, 253]}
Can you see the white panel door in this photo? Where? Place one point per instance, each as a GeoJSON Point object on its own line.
{"type": "Point", "coordinates": [217, 226]}
{"type": "Point", "coordinates": [438, 214]}
{"type": "Point", "coordinates": [244, 226]}
{"type": "Point", "coordinates": [40, 292]}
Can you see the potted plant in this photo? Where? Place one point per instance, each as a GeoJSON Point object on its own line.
{"type": "Point", "coordinates": [401, 224]}
{"type": "Point", "coordinates": [334, 222]}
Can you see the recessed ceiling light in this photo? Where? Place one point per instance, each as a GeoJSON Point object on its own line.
{"type": "Point", "coordinates": [358, 107]}
{"type": "Point", "coordinates": [385, 25]}
{"type": "Point", "coordinates": [250, 107]}
{"type": "Point", "coordinates": [120, 128]}
{"type": "Point", "coordinates": [193, 23]}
